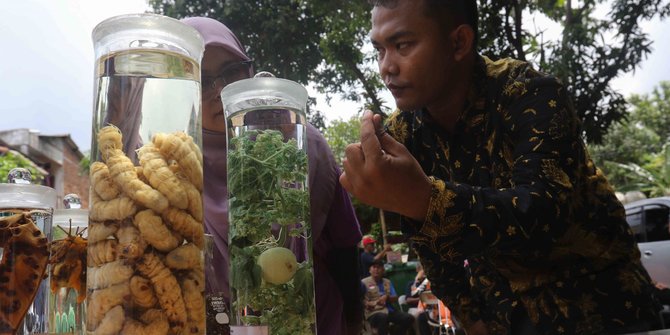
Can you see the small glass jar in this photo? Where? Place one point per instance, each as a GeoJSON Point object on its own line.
{"type": "Point", "coordinates": [271, 274]}
{"type": "Point", "coordinates": [25, 224]}
{"type": "Point", "coordinates": [68, 267]}
{"type": "Point", "coordinates": [145, 234]}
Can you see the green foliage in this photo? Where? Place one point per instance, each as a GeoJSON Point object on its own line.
{"type": "Point", "coordinates": [634, 153]}
{"type": "Point", "coordinates": [341, 133]}
{"type": "Point", "coordinates": [9, 161]}
{"type": "Point", "coordinates": [261, 167]}
{"type": "Point", "coordinates": [301, 40]}
{"type": "Point", "coordinates": [265, 179]}
{"type": "Point", "coordinates": [653, 178]}
{"type": "Point", "coordinates": [376, 231]}
{"type": "Point", "coordinates": [85, 164]}
{"type": "Point", "coordinates": [589, 55]}
{"type": "Point", "coordinates": [653, 110]}
{"type": "Point", "coordinates": [323, 42]}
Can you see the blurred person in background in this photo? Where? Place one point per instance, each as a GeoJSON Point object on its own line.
{"type": "Point", "coordinates": [370, 255]}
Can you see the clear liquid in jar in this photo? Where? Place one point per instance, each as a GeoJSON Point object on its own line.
{"type": "Point", "coordinates": [146, 91]}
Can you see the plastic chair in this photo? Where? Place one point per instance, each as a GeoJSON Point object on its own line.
{"type": "Point", "coordinates": [443, 320]}
{"type": "Point", "coordinates": [402, 302]}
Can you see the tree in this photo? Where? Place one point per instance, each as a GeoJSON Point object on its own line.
{"type": "Point", "coordinates": [634, 154]}
{"type": "Point", "coordinates": [590, 53]}
{"type": "Point", "coordinates": [322, 42]}
{"type": "Point", "coordinates": [301, 40]}
{"type": "Point", "coordinates": [340, 133]}
{"type": "Point", "coordinates": [653, 110]}
{"type": "Point", "coordinates": [653, 179]}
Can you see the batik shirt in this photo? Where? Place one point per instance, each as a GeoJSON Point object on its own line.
{"type": "Point", "coordinates": [520, 215]}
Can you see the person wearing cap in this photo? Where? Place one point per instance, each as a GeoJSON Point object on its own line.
{"type": "Point", "coordinates": [379, 297]}
{"type": "Point", "coordinates": [335, 229]}
{"type": "Point", "coordinates": [369, 255]}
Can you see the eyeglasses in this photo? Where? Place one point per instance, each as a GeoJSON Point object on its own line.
{"type": "Point", "coordinates": [230, 74]}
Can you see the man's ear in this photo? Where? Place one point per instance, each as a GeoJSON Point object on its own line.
{"type": "Point", "coordinates": [463, 39]}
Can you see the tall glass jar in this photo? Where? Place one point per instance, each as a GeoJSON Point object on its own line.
{"type": "Point", "coordinates": [145, 235]}
{"type": "Point", "coordinates": [68, 267]}
{"type": "Point", "coordinates": [25, 225]}
{"type": "Point", "coordinates": [271, 275]}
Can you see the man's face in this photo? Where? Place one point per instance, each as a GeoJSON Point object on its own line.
{"type": "Point", "coordinates": [215, 62]}
{"type": "Point", "coordinates": [370, 247]}
{"type": "Point", "coordinates": [415, 58]}
{"type": "Point", "coordinates": [377, 271]}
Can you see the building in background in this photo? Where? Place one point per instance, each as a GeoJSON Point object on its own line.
{"type": "Point", "coordinates": [58, 155]}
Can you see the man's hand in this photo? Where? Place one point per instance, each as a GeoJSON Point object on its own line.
{"type": "Point", "coordinates": [382, 300]}
{"type": "Point", "coordinates": [382, 173]}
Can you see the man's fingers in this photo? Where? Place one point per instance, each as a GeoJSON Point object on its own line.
{"type": "Point", "coordinates": [371, 147]}
{"type": "Point", "coordinates": [352, 165]}
{"type": "Point", "coordinates": [386, 141]}
{"type": "Point", "coordinates": [379, 127]}
{"type": "Point", "coordinates": [344, 181]}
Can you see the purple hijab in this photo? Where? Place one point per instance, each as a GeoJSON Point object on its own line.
{"type": "Point", "coordinates": [334, 223]}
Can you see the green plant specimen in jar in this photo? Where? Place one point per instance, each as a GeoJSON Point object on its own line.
{"type": "Point", "coordinates": [269, 206]}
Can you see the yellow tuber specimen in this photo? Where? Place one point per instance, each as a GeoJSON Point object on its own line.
{"type": "Point", "coordinates": [193, 288]}
{"type": "Point", "coordinates": [124, 175]}
{"type": "Point", "coordinates": [101, 301]}
{"type": "Point", "coordinates": [194, 199]}
{"type": "Point", "coordinates": [185, 257]}
{"type": "Point", "coordinates": [140, 174]}
{"type": "Point", "coordinates": [131, 245]}
{"type": "Point", "coordinates": [102, 252]}
{"type": "Point", "coordinates": [189, 141]}
{"type": "Point", "coordinates": [123, 171]}
{"type": "Point", "coordinates": [156, 170]}
{"type": "Point", "coordinates": [112, 322]}
{"type": "Point", "coordinates": [194, 196]}
{"type": "Point", "coordinates": [98, 231]}
{"type": "Point", "coordinates": [142, 293]}
{"type": "Point", "coordinates": [108, 274]}
{"type": "Point", "coordinates": [185, 225]}
{"type": "Point", "coordinates": [155, 232]}
{"type": "Point", "coordinates": [153, 322]}
{"type": "Point", "coordinates": [173, 147]}
{"type": "Point", "coordinates": [115, 209]}
{"type": "Point", "coordinates": [167, 290]}
{"type": "Point", "coordinates": [102, 182]}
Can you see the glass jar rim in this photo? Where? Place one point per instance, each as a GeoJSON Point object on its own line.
{"type": "Point", "coordinates": [263, 91]}
{"type": "Point", "coordinates": [122, 32]}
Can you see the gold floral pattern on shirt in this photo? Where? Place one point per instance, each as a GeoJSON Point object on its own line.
{"type": "Point", "coordinates": [517, 197]}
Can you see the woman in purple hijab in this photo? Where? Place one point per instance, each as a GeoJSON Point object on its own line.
{"type": "Point", "coordinates": [335, 229]}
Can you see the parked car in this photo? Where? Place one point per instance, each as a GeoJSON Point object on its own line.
{"type": "Point", "coordinates": [649, 219]}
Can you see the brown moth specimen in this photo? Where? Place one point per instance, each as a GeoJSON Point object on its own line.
{"type": "Point", "coordinates": [68, 260]}
{"type": "Point", "coordinates": [24, 261]}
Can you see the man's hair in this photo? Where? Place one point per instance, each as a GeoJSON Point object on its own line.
{"type": "Point", "coordinates": [447, 13]}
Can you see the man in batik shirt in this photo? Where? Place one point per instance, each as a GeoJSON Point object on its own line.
{"type": "Point", "coordinates": [517, 230]}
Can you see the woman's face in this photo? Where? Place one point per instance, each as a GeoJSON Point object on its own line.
{"type": "Point", "coordinates": [219, 68]}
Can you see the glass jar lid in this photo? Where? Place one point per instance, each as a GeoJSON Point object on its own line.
{"type": "Point", "coordinates": [19, 193]}
{"type": "Point", "coordinates": [72, 213]}
{"type": "Point", "coordinates": [263, 92]}
{"type": "Point", "coordinates": [147, 31]}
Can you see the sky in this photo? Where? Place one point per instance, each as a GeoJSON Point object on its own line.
{"type": "Point", "coordinates": [46, 65]}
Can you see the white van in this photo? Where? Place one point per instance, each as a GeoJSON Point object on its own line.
{"type": "Point", "coordinates": [649, 219]}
